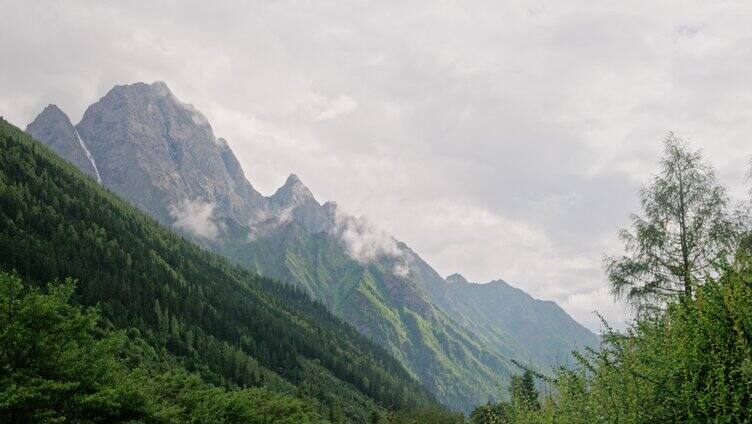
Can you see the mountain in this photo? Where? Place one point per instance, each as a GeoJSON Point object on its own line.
{"type": "Point", "coordinates": [391, 309]}
{"type": "Point", "coordinates": [162, 155]}
{"type": "Point", "coordinates": [191, 307]}
{"type": "Point", "coordinates": [499, 312]}
{"type": "Point", "coordinates": [157, 152]}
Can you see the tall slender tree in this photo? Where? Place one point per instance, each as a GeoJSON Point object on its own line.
{"type": "Point", "coordinates": [523, 391]}
{"type": "Point", "coordinates": [684, 233]}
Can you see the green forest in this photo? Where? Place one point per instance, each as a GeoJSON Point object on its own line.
{"type": "Point", "coordinates": [106, 316]}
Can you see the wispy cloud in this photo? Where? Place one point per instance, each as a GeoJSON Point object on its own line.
{"type": "Point", "coordinates": [366, 243]}
{"type": "Point", "coordinates": [195, 217]}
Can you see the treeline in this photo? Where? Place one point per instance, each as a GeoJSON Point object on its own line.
{"type": "Point", "coordinates": [231, 328]}
{"type": "Point", "coordinates": [687, 356]}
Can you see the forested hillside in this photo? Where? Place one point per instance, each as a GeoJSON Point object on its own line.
{"type": "Point", "coordinates": [500, 313]}
{"type": "Point", "coordinates": [233, 328]}
{"type": "Point", "coordinates": [60, 366]}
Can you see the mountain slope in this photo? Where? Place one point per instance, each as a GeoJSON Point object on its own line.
{"type": "Point", "coordinates": [232, 327]}
{"type": "Point", "coordinates": [392, 310]}
{"type": "Point", "coordinates": [500, 312]}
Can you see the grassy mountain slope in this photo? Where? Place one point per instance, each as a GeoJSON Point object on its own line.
{"type": "Point", "coordinates": [498, 312]}
{"type": "Point", "coordinates": [394, 311]}
{"type": "Point", "coordinates": [232, 327]}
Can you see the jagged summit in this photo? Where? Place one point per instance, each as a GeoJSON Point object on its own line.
{"type": "Point", "coordinates": [293, 191]}
{"type": "Point", "coordinates": [156, 87]}
{"type": "Point", "coordinates": [292, 179]}
{"type": "Point", "coordinates": [51, 114]}
{"type": "Point", "coordinates": [154, 150]}
{"type": "Point", "coordinates": [53, 110]}
{"type": "Point", "coordinates": [295, 200]}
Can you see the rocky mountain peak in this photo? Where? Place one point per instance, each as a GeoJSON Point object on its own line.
{"type": "Point", "coordinates": [296, 202]}
{"type": "Point", "coordinates": [155, 100]}
{"type": "Point", "coordinates": [158, 152]}
{"type": "Point", "coordinates": [292, 193]}
{"type": "Point", "coordinates": [292, 179]}
{"type": "Point", "coordinates": [53, 127]}
{"type": "Point", "coordinates": [51, 119]}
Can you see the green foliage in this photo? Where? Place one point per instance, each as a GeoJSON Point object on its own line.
{"type": "Point", "coordinates": [58, 366]}
{"type": "Point", "coordinates": [432, 415]}
{"type": "Point", "coordinates": [492, 413]}
{"type": "Point", "coordinates": [690, 361]}
{"type": "Point", "coordinates": [51, 367]}
{"type": "Point", "coordinates": [691, 364]}
{"type": "Point", "coordinates": [685, 230]}
{"type": "Point", "coordinates": [523, 405]}
{"type": "Point", "coordinates": [184, 398]}
{"type": "Point", "coordinates": [231, 327]}
{"type": "Point", "coordinates": [524, 393]}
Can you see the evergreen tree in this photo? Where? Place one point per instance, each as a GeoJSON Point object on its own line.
{"type": "Point", "coordinates": [685, 232]}
{"type": "Point", "coordinates": [523, 391]}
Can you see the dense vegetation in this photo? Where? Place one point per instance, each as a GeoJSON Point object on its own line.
{"type": "Point", "coordinates": [59, 366]}
{"type": "Point", "coordinates": [231, 328]}
{"type": "Point", "coordinates": [687, 357]}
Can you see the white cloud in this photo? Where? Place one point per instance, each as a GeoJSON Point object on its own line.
{"type": "Point", "coordinates": [366, 243]}
{"type": "Point", "coordinates": [362, 240]}
{"type": "Point", "coordinates": [195, 217]}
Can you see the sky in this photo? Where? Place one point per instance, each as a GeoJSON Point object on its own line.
{"type": "Point", "coordinates": [500, 140]}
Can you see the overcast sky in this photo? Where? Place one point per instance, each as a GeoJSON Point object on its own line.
{"type": "Point", "coordinates": [498, 140]}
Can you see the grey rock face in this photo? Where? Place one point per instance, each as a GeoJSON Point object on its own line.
{"type": "Point", "coordinates": [162, 155]}
{"type": "Point", "coordinates": [53, 127]}
{"type": "Point", "coordinates": [158, 152]}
